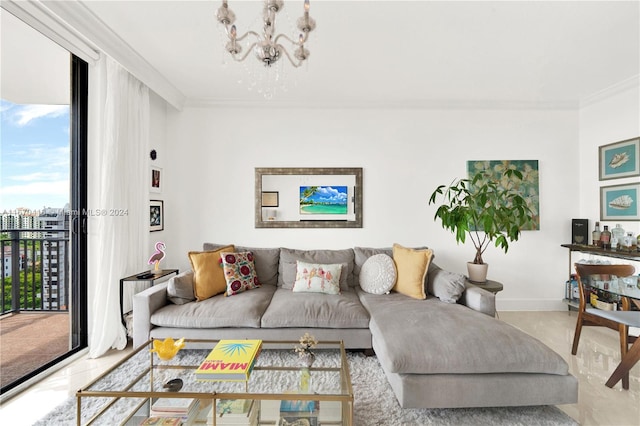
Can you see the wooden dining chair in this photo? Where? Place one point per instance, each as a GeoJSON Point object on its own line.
{"type": "Point", "coordinates": [616, 320]}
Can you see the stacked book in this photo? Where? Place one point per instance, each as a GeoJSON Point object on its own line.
{"type": "Point", "coordinates": [181, 410]}
{"type": "Point", "coordinates": [230, 360]}
{"type": "Point", "coordinates": [235, 412]}
{"type": "Point", "coordinates": [299, 413]}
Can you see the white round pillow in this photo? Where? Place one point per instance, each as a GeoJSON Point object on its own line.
{"type": "Point", "coordinates": [378, 274]}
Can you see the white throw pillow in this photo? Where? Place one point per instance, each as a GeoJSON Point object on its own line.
{"type": "Point", "coordinates": [317, 278]}
{"type": "Point", "coordinates": [378, 274]}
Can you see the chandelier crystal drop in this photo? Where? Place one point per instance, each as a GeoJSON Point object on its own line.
{"type": "Point", "coordinates": [267, 45]}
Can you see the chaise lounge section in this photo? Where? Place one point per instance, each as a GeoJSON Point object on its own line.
{"type": "Point", "coordinates": [436, 354]}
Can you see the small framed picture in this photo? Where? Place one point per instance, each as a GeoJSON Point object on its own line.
{"type": "Point", "coordinates": [156, 215]}
{"type": "Point", "coordinates": [620, 202]}
{"type": "Point", "coordinates": [270, 199]}
{"type": "Point", "coordinates": [619, 159]}
{"type": "Point", "coordinates": [156, 179]}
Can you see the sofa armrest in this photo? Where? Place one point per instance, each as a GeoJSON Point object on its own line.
{"type": "Point", "coordinates": [146, 303]}
{"type": "Point", "coordinates": [477, 299]}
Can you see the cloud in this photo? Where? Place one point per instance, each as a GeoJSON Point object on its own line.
{"type": "Point", "coordinates": [60, 187]}
{"type": "Point", "coordinates": [37, 176]}
{"type": "Point", "coordinates": [328, 193]}
{"type": "Point", "coordinates": [24, 115]}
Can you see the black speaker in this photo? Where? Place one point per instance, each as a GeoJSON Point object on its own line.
{"type": "Point", "coordinates": [580, 231]}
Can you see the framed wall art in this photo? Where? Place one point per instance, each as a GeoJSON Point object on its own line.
{"type": "Point", "coordinates": [156, 178]}
{"type": "Point", "coordinates": [620, 202]}
{"type": "Point", "coordinates": [156, 215]}
{"type": "Point", "coordinates": [270, 199]}
{"type": "Point", "coordinates": [528, 187]}
{"type": "Point", "coordinates": [619, 159]}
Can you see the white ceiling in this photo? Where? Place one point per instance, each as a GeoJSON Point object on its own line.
{"type": "Point", "coordinates": [413, 53]}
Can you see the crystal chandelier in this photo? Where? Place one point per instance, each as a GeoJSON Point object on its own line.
{"type": "Point", "coordinates": [267, 46]}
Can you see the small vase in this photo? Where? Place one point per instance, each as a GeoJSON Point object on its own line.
{"type": "Point", "coordinates": [307, 359]}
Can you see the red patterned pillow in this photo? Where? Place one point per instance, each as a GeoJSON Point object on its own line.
{"type": "Point", "coordinates": [239, 272]}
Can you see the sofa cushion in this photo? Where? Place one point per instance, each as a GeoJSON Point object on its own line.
{"type": "Point", "coordinates": [317, 278]}
{"type": "Point", "coordinates": [447, 337]}
{"type": "Point", "coordinates": [265, 259]}
{"type": "Point", "coordinates": [242, 310]}
{"type": "Point", "coordinates": [288, 258]}
{"type": "Point", "coordinates": [378, 274]}
{"type": "Point", "coordinates": [180, 288]}
{"type": "Point", "coordinates": [446, 286]}
{"type": "Point", "coordinates": [239, 272]}
{"type": "Point", "coordinates": [208, 277]}
{"type": "Point", "coordinates": [411, 267]}
{"type": "Point", "coordinates": [315, 310]}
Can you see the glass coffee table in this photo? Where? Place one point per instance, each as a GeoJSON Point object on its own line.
{"type": "Point", "coordinates": [279, 391]}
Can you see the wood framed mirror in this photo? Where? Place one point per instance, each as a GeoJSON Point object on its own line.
{"type": "Point", "coordinates": [308, 197]}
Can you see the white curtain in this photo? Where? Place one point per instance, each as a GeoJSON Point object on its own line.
{"type": "Point", "coordinates": [119, 206]}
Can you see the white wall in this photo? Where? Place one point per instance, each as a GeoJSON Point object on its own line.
{"type": "Point", "coordinates": [607, 117]}
{"type": "Point", "coordinates": [212, 152]}
{"type": "Point", "coordinates": [158, 141]}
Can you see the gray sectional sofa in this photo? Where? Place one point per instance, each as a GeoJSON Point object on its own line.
{"type": "Point", "coordinates": [435, 354]}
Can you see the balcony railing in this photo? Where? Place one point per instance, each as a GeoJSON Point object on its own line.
{"type": "Point", "coordinates": [35, 275]}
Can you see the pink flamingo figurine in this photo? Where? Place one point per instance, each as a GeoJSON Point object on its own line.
{"type": "Point", "coordinates": [158, 255]}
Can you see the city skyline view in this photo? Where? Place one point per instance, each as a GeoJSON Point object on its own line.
{"type": "Point", "coordinates": [34, 156]}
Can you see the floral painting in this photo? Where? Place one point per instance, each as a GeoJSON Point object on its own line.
{"type": "Point", "coordinates": [528, 186]}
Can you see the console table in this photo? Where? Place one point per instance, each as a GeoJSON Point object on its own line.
{"type": "Point", "coordinates": [147, 276]}
{"type": "Point", "coordinates": [583, 248]}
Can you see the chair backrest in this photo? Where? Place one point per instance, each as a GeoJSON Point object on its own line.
{"type": "Point", "coordinates": [584, 270]}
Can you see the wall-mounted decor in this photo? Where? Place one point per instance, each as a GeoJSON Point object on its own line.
{"type": "Point", "coordinates": [619, 159]}
{"type": "Point", "coordinates": [156, 179]}
{"type": "Point", "coordinates": [620, 202]}
{"type": "Point", "coordinates": [156, 215]}
{"type": "Point", "coordinates": [528, 187]}
{"type": "Point", "coordinates": [270, 199]}
{"type": "Point", "coordinates": [309, 197]}
{"type": "Point", "coordinates": [319, 200]}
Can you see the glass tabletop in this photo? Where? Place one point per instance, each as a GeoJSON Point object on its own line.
{"type": "Point", "coordinates": [621, 286]}
{"type": "Point", "coordinates": [132, 386]}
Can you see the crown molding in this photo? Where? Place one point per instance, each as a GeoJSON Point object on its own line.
{"type": "Point", "coordinates": [80, 19]}
{"type": "Point", "coordinates": [43, 20]}
{"type": "Point", "coordinates": [380, 104]}
{"type": "Point", "coordinates": [622, 86]}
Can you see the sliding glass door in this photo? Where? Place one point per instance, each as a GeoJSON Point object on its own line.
{"type": "Point", "coordinates": [43, 202]}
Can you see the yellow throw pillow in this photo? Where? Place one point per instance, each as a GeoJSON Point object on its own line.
{"type": "Point", "coordinates": [411, 266]}
{"type": "Point", "coordinates": [208, 275]}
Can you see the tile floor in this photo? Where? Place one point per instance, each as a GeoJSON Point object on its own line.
{"type": "Point", "coordinates": [597, 357]}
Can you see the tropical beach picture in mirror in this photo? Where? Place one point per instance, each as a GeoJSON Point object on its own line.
{"type": "Point", "coordinates": [323, 200]}
{"type": "Point", "coordinates": [619, 159]}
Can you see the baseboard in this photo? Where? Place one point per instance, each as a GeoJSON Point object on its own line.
{"type": "Point", "coordinates": [530, 305]}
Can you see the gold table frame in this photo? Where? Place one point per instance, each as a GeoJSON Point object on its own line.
{"type": "Point", "coordinates": [346, 398]}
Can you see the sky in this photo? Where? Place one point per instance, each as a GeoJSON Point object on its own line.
{"type": "Point", "coordinates": [34, 156]}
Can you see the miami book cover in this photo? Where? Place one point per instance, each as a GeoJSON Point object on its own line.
{"type": "Point", "coordinates": [230, 360]}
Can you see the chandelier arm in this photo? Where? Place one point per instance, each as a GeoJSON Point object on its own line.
{"type": "Point", "coordinates": [289, 39]}
{"type": "Point", "coordinates": [296, 65]}
{"type": "Point", "coordinates": [249, 50]}
{"type": "Point", "coordinates": [243, 36]}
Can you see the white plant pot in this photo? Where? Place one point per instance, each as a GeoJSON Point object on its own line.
{"type": "Point", "coordinates": [477, 272]}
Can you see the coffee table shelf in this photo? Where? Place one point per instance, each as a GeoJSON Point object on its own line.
{"type": "Point", "coordinates": [124, 394]}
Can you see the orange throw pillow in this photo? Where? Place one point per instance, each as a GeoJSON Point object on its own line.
{"type": "Point", "coordinates": [208, 275]}
{"type": "Point", "coordinates": [412, 266]}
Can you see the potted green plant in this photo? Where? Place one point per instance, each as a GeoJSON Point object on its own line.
{"type": "Point", "coordinates": [484, 210]}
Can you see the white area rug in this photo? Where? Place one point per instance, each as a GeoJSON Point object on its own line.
{"type": "Point", "coordinates": [375, 402]}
